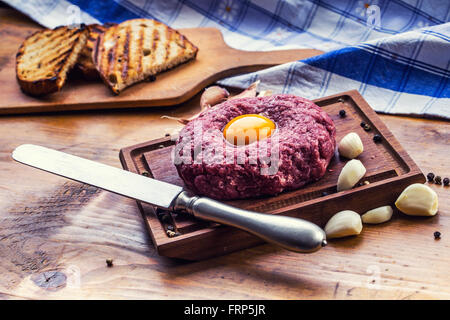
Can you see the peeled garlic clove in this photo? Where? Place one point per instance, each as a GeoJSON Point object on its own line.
{"type": "Point", "coordinates": [350, 174]}
{"type": "Point", "coordinates": [351, 146]}
{"type": "Point", "coordinates": [418, 200]}
{"type": "Point", "coordinates": [377, 215]}
{"type": "Point", "coordinates": [343, 224]}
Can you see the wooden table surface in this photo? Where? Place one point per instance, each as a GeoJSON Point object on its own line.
{"type": "Point", "coordinates": [55, 235]}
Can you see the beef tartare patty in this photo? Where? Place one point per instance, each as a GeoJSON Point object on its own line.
{"type": "Point", "coordinates": [299, 149]}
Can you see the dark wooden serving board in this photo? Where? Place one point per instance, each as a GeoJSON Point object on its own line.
{"type": "Point", "coordinates": [389, 171]}
{"type": "Point", "coordinates": [215, 60]}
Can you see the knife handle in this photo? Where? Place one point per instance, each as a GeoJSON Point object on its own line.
{"type": "Point", "coordinates": [287, 232]}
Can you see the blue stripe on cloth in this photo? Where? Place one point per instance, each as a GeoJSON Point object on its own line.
{"type": "Point", "coordinates": [353, 62]}
{"type": "Point", "coordinates": [104, 11]}
{"type": "Point", "coordinates": [396, 56]}
{"type": "Point", "coordinates": [437, 34]}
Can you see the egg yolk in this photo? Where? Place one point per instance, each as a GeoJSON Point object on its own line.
{"type": "Point", "coordinates": [248, 128]}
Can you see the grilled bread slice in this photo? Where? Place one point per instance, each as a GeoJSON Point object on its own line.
{"type": "Point", "coordinates": [138, 49]}
{"type": "Point", "coordinates": [85, 63]}
{"type": "Point", "coordinates": [45, 58]}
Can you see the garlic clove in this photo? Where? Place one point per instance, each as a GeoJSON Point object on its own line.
{"type": "Point", "coordinates": [418, 200]}
{"type": "Point", "coordinates": [350, 146]}
{"type": "Point", "coordinates": [213, 95]}
{"type": "Point", "coordinates": [350, 174]}
{"type": "Point", "coordinates": [342, 224]}
{"type": "Point", "coordinates": [377, 215]}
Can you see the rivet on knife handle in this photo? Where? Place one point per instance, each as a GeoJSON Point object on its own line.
{"type": "Point", "coordinates": [290, 233]}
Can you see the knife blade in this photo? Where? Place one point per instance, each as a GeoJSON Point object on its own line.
{"type": "Point", "coordinates": [290, 233]}
{"type": "Point", "coordinates": [122, 182]}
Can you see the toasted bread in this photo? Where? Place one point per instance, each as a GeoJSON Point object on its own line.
{"type": "Point", "coordinates": [45, 58]}
{"type": "Point", "coordinates": [85, 63]}
{"type": "Point", "coordinates": [137, 49]}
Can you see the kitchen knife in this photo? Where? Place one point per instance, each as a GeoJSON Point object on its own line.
{"type": "Point", "coordinates": [290, 233]}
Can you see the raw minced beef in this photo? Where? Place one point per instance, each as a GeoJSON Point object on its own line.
{"type": "Point", "coordinates": [297, 152]}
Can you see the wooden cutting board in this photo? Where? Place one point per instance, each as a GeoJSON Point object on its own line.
{"type": "Point", "coordinates": [389, 171]}
{"type": "Point", "coordinates": [215, 60]}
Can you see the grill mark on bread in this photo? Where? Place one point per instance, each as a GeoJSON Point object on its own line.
{"type": "Point", "coordinates": [96, 52]}
{"type": "Point", "coordinates": [141, 45]}
{"type": "Point", "coordinates": [111, 56]}
{"type": "Point", "coordinates": [183, 42]}
{"type": "Point", "coordinates": [169, 35]}
{"type": "Point", "coordinates": [155, 42]}
{"type": "Point", "coordinates": [61, 63]}
{"type": "Point", "coordinates": [126, 54]}
{"type": "Point", "coordinates": [112, 64]}
{"type": "Point", "coordinates": [54, 60]}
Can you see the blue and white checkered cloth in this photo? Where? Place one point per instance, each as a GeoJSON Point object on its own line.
{"type": "Point", "coordinates": [396, 53]}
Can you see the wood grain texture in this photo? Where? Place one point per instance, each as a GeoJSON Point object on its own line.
{"type": "Point", "coordinates": [215, 60]}
{"type": "Point", "coordinates": [48, 224]}
{"type": "Point", "coordinates": [387, 165]}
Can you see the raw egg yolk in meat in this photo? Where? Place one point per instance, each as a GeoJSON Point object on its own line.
{"type": "Point", "coordinates": [248, 128]}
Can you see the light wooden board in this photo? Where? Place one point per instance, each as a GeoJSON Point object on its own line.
{"type": "Point", "coordinates": [215, 60]}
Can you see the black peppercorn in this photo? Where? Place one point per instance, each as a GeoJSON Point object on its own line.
{"type": "Point", "coordinates": [437, 235]}
{"type": "Point", "coordinates": [109, 262]}
{"type": "Point", "coordinates": [430, 177]}
{"type": "Point", "coordinates": [377, 138]}
{"type": "Point", "coordinates": [342, 113]}
{"type": "Point", "coordinates": [446, 181]}
{"type": "Point", "coordinates": [362, 124]}
{"type": "Point", "coordinates": [438, 180]}
{"type": "Point", "coordinates": [145, 173]}
{"type": "Point", "coordinates": [165, 218]}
